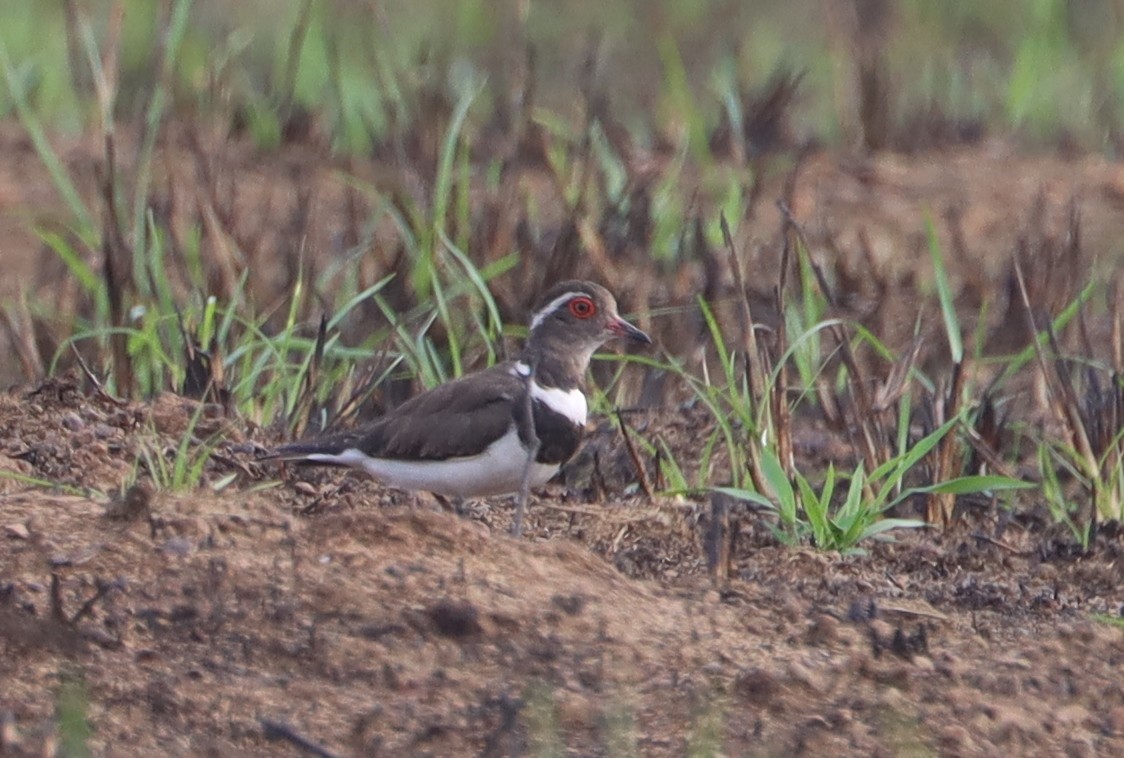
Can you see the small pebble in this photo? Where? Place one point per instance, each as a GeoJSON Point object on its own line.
{"type": "Point", "coordinates": [823, 630]}
{"type": "Point", "coordinates": [1116, 720]}
{"type": "Point", "coordinates": [17, 531]}
{"type": "Point", "coordinates": [177, 546]}
{"type": "Point", "coordinates": [9, 735]}
{"type": "Point", "coordinates": [757, 685]}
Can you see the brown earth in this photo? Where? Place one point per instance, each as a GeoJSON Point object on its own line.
{"type": "Point", "coordinates": [375, 623]}
{"type": "Point", "coordinates": [864, 217]}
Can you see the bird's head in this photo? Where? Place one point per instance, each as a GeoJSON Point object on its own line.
{"type": "Point", "coordinates": [579, 317]}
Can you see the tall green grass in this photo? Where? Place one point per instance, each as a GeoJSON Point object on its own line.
{"type": "Point", "coordinates": [1048, 68]}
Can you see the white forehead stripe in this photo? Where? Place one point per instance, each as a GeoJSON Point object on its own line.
{"type": "Point", "coordinates": [569, 403]}
{"type": "Point", "coordinates": [550, 307]}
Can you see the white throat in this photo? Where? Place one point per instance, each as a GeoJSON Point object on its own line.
{"type": "Point", "coordinates": [568, 403]}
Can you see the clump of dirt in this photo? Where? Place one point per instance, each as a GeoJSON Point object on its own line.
{"type": "Point", "coordinates": [328, 609]}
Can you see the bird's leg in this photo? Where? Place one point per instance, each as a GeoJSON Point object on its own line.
{"type": "Point", "coordinates": [532, 452]}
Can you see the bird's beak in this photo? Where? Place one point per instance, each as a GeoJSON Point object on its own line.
{"type": "Point", "coordinates": [618, 327]}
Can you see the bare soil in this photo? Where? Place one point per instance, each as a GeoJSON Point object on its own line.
{"type": "Point", "coordinates": [372, 622]}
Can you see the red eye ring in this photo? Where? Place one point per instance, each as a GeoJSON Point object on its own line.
{"type": "Point", "coordinates": [582, 307]}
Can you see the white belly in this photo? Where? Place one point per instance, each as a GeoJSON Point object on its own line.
{"type": "Point", "coordinates": [496, 471]}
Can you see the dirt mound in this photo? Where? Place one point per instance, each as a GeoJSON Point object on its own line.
{"type": "Point", "coordinates": [372, 622]}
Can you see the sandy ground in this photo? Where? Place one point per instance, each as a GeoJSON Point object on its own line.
{"type": "Point", "coordinates": [371, 622]}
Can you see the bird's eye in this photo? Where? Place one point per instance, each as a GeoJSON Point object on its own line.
{"type": "Point", "coordinates": [582, 307]}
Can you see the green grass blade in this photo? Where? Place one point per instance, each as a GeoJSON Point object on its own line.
{"type": "Point", "coordinates": [749, 496]}
{"type": "Point", "coordinates": [966, 485]}
{"type": "Point", "coordinates": [673, 475]}
{"type": "Point", "coordinates": [442, 190]}
{"type": "Point", "coordinates": [780, 484]}
{"type": "Point", "coordinates": [886, 524]}
{"type": "Point", "coordinates": [87, 229]}
{"type": "Point", "coordinates": [893, 469]}
{"type": "Point", "coordinates": [944, 293]}
{"type": "Point", "coordinates": [347, 307]}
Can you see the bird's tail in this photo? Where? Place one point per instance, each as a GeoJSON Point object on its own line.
{"type": "Point", "coordinates": [309, 453]}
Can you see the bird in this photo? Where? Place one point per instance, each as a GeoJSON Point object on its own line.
{"type": "Point", "coordinates": [470, 437]}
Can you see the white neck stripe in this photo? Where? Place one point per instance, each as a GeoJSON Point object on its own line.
{"type": "Point", "coordinates": [569, 403]}
{"type": "Point", "coordinates": [549, 308]}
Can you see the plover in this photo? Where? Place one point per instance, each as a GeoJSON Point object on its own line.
{"type": "Point", "coordinates": [469, 437]}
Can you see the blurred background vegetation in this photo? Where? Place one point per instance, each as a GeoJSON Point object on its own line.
{"type": "Point", "coordinates": [257, 164]}
{"type": "Point", "coordinates": [881, 72]}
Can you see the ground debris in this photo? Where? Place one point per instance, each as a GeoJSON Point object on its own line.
{"type": "Point", "coordinates": [378, 621]}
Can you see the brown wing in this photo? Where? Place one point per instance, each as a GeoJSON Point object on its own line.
{"type": "Point", "coordinates": [455, 419]}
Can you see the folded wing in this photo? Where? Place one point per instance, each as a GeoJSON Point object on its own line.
{"type": "Point", "coordinates": [457, 419]}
